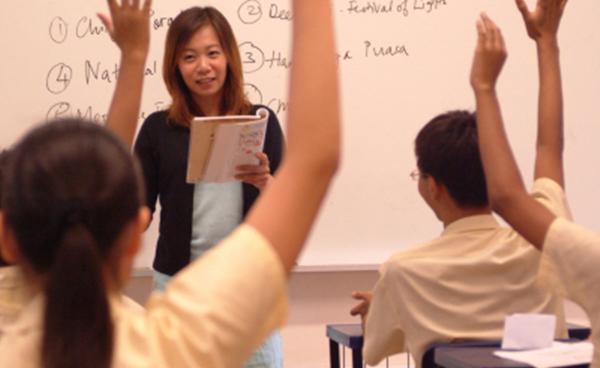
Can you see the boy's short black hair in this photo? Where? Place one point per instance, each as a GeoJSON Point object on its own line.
{"type": "Point", "coordinates": [447, 149]}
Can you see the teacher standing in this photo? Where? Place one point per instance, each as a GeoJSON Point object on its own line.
{"type": "Point", "coordinates": [203, 73]}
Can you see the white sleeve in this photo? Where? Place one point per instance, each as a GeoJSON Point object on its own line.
{"type": "Point", "coordinates": [552, 196]}
{"type": "Point", "coordinates": [383, 335]}
{"type": "Point", "coordinates": [572, 254]}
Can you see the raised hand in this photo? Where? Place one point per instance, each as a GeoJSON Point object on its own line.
{"type": "Point", "coordinates": [506, 190]}
{"type": "Point", "coordinates": [542, 26]}
{"type": "Point", "coordinates": [128, 24]}
{"type": "Point", "coordinates": [129, 27]}
{"type": "Point", "coordinates": [544, 20]}
{"type": "Point", "coordinates": [285, 212]}
{"type": "Point", "coordinates": [490, 54]}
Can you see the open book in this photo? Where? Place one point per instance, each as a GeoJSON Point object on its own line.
{"type": "Point", "coordinates": [218, 144]}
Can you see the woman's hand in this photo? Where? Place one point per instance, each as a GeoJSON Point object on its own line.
{"type": "Point", "coordinates": [257, 175]}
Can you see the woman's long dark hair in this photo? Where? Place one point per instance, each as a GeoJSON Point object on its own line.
{"type": "Point", "coordinates": [70, 188]}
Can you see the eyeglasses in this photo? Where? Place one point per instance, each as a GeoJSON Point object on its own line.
{"type": "Point", "coordinates": [416, 174]}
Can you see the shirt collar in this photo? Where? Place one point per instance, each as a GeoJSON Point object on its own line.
{"type": "Point", "coordinates": [470, 223]}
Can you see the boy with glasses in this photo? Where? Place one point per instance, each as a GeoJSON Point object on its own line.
{"type": "Point", "coordinates": [462, 284]}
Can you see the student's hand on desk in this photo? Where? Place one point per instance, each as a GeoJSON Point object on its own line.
{"type": "Point", "coordinates": [257, 175]}
{"type": "Point", "coordinates": [542, 22]}
{"type": "Point", "coordinates": [490, 54]}
{"type": "Point", "coordinates": [361, 308]}
{"type": "Point", "coordinates": [128, 25]}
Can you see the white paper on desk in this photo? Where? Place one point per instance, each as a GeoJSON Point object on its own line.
{"type": "Point", "coordinates": [528, 331]}
{"type": "Point", "coordinates": [561, 354]}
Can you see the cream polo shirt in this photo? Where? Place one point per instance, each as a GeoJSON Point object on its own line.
{"type": "Point", "coordinates": [213, 314]}
{"type": "Point", "coordinates": [13, 294]}
{"type": "Point", "coordinates": [461, 285]}
{"type": "Point", "coordinates": [571, 266]}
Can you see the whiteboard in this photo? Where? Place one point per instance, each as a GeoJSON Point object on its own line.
{"type": "Point", "coordinates": [401, 62]}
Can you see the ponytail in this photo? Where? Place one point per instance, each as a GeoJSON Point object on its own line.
{"type": "Point", "coordinates": [78, 330]}
{"type": "Point", "coordinates": [70, 190]}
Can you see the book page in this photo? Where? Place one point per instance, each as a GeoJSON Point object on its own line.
{"type": "Point", "coordinates": [235, 144]}
{"type": "Point", "coordinates": [559, 355]}
{"type": "Point", "coordinates": [203, 136]}
{"type": "Point", "coordinates": [218, 145]}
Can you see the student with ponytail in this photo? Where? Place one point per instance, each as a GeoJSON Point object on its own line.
{"type": "Point", "coordinates": [128, 27]}
{"type": "Point", "coordinates": [77, 187]}
{"type": "Point", "coordinates": [74, 217]}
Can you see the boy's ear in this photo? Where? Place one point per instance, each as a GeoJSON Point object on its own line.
{"type": "Point", "coordinates": [433, 187]}
{"type": "Point", "coordinates": [8, 244]}
{"type": "Point", "coordinates": [437, 189]}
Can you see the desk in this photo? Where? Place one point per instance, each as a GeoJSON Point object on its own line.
{"type": "Point", "coordinates": [578, 332]}
{"type": "Point", "coordinates": [472, 357]}
{"type": "Point", "coordinates": [350, 335]}
{"type": "Point", "coordinates": [475, 357]}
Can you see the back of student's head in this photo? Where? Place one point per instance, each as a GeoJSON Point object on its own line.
{"type": "Point", "coordinates": [4, 155]}
{"type": "Point", "coordinates": [3, 160]}
{"type": "Point", "coordinates": [69, 190]}
{"type": "Point", "coordinates": [447, 150]}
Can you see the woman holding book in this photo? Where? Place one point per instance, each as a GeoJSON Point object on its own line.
{"type": "Point", "coordinates": [203, 73]}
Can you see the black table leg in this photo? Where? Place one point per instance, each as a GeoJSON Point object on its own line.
{"type": "Point", "coordinates": [334, 354]}
{"type": "Point", "coordinates": [357, 358]}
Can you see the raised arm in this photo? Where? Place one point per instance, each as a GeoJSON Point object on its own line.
{"type": "Point", "coordinates": [542, 26]}
{"type": "Point", "coordinates": [506, 190]}
{"type": "Point", "coordinates": [285, 212]}
{"type": "Point", "coordinates": [128, 26]}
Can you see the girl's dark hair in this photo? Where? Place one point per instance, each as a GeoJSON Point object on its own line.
{"type": "Point", "coordinates": [70, 188]}
{"type": "Point", "coordinates": [3, 161]}
{"type": "Point", "coordinates": [182, 29]}
{"type": "Point", "coordinates": [447, 148]}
